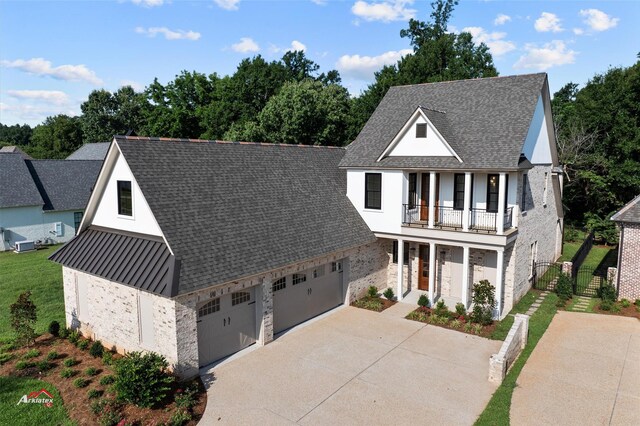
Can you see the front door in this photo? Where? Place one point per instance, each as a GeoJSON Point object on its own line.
{"type": "Point", "coordinates": [423, 271]}
{"type": "Point", "coordinates": [424, 197]}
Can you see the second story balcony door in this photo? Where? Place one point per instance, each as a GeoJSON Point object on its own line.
{"type": "Point", "coordinates": [424, 197]}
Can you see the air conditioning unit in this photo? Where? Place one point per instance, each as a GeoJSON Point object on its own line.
{"type": "Point", "coordinates": [22, 246]}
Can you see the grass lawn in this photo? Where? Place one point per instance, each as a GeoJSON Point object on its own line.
{"type": "Point", "coordinates": [569, 249]}
{"type": "Point", "coordinates": [596, 255]}
{"type": "Point", "coordinates": [31, 271]}
{"type": "Point", "coordinates": [590, 308]}
{"type": "Point", "coordinates": [503, 327]}
{"type": "Point", "coordinates": [497, 411]}
{"type": "Point", "coordinates": [13, 388]}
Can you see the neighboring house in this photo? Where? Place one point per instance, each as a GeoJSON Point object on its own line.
{"type": "Point", "coordinates": [460, 182]}
{"type": "Point", "coordinates": [90, 151]}
{"type": "Point", "coordinates": [628, 277]}
{"type": "Point", "coordinates": [12, 149]}
{"type": "Point", "coordinates": [42, 199]}
{"type": "Point", "coordinates": [197, 249]}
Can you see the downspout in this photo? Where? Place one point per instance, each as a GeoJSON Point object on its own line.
{"type": "Point", "coordinates": [619, 258]}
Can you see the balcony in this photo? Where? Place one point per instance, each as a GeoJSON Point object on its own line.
{"type": "Point", "coordinates": [480, 220]}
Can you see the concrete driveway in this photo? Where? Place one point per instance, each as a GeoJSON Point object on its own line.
{"type": "Point", "coordinates": [584, 371]}
{"type": "Point", "coordinates": [356, 367]}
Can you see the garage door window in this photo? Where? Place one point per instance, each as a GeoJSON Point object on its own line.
{"type": "Point", "coordinates": [209, 308]}
{"type": "Point", "coordinates": [318, 272]}
{"type": "Point", "coordinates": [299, 278]}
{"type": "Point", "coordinates": [336, 266]}
{"type": "Point", "coordinates": [280, 284]}
{"type": "Point", "coordinates": [240, 297]}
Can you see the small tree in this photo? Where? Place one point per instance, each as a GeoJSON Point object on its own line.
{"type": "Point", "coordinates": [484, 302]}
{"type": "Point", "coordinates": [23, 319]}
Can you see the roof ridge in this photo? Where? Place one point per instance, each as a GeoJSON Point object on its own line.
{"type": "Point", "coordinates": [432, 109]}
{"type": "Point", "coordinates": [496, 77]}
{"type": "Point", "coordinates": [220, 142]}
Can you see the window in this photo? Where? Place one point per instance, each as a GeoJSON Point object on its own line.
{"type": "Point", "coordinates": [279, 284]}
{"type": "Point", "coordinates": [413, 190]}
{"type": "Point", "coordinates": [405, 255]}
{"type": "Point", "coordinates": [240, 297]}
{"type": "Point", "coordinates": [77, 218]}
{"type": "Point", "coordinates": [458, 191]}
{"type": "Point", "coordinates": [525, 189]}
{"type": "Point", "coordinates": [299, 278]}
{"type": "Point", "coordinates": [124, 198]}
{"type": "Point", "coordinates": [544, 196]}
{"type": "Point", "coordinates": [209, 307]}
{"type": "Point", "coordinates": [336, 266]}
{"type": "Point", "coordinates": [373, 191]}
{"type": "Point", "coordinates": [318, 272]}
{"type": "Point", "coordinates": [421, 130]}
{"type": "Point", "coordinates": [492, 192]}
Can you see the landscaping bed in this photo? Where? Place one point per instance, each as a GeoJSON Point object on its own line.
{"type": "Point", "coordinates": [373, 302]}
{"type": "Point", "coordinates": [451, 320]}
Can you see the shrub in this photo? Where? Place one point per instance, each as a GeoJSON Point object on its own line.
{"type": "Point", "coordinates": [44, 365]}
{"type": "Point", "coordinates": [456, 323]}
{"type": "Point", "coordinates": [107, 358]}
{"type": "Point", "coordinates": [477, 328]}
{"type": "Point", "coordinates": [484, 302]}
{"type": "Point", "coordinates": [70, 362]}
{"type": "Point", "coordinates": [187, 399]}
{"type": "Point", "coordinates": [607, 293]}
{"type": "Point", "coordinates": [64, 332]}
{"type": "Point", "coordinates": [606, 305]}
{"type": "Point", "coordinates": [571, 234]}
{"type": "Point", "coordinates": [74, 336]}
{"type": "Point", "coordinates": [460, 309]}
{"type": "Point", "coordinates": [5, 357]}
{"type": "Point", "coordinates": [97, 349]}
{"type": "Point", "coordinates": [54, 328]}
{"type": "Point", "coordinates": [441, 308]}
{"type": "Point", "coordinates": [561, 303]}
{"type": "Point", "coordinates": [91, 371]}
{"type": "Point", "coordinates": [110, 417]}
{"type": "Point", "coordinates": [179, 418]}
{"type": "Point", "coordinates": [23, 319]}
{"type": "Point", "coordinates": [23, 365]}
{"type": "Point", "coordinates": [468, 327]}
{"type": "Point", "coordinates": [142, 379]}
{"type": "Point", "coordinates": [98, 406]}
{"type": "Point", "coordinates": [372, 291]}
{"type": "Point", "coordinates": [67, 373]}
{"type": "Point", "coordinates": [80, 382]}
{"type": "Point", "coordinates": [107, 380]}
{"type": "Point", "coordinates": [31, 354]}
{"type": "Point", "coordinates": [637, 303]}
{"type": "Point", "coordinates": [94, 393]}
{"type": "Point", "coordinates": [564, 287]}
{"type": "Point", "coordinates": [83, 344]}
{"type": "Point", "coordinates": [52, 355]}
{"type": "Point", "coordinates": [388, 294]}
{"type": "Point", "coordinates": [423, 301]}
{"type": "Point", "coordinates": [625, 303]}
{"type": "Point", "coordinates": [373, 304]}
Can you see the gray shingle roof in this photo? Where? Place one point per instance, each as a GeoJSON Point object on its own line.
{"type": "Point", "coordinates": [15, 149]}
{"type": "Point", "coordinates": [63, 184]}
{"type": "Point", "coordinates": [17, 188]}
{"type": "Point", "coordinates": [231, 210]}
{"type": "Point", "coordinates": [90, 151]}
{"type": "Point", "coordinates": [629, 213]}
{"type": "Point", "coordinates": [485, 121]}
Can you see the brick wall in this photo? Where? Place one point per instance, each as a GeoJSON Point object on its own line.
{"type": "Point", "coordinates": [630, 262]}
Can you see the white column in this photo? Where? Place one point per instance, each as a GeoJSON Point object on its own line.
{"type": "Point", "coordinates": [467, 201]}
{"type": "Point", "coordinates": [432, 198]}
{"type": "Point", "coordinates": [432, 271]}
{"type": "Point", "coordinates": [499, 284]}
{"type": "Point", "coordinates": [501, 198]}
{"type": "Point", "coordinates": [400, 269]}
{"type": "Point", "coordinates": [465, 276]}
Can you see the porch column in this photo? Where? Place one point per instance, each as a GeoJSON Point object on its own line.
{"type": "Point", "coordinates": [467, 201]}
{"type": "Point", "coordinates": [499, 284]}
{"type": "Point", "coordinates": [432, 271]}
{"type": "Point", "coordinates": [502, 183]}
{"type": "Point", "coordinates": [432, 198]}
{"type": "Point", "coordinates": [465, 276]}
{"type": "Point", "coordinates": [400, 269]}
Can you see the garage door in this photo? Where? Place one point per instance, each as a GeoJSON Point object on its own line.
{"type": "Point", "coordinates": [301, 296]}
{"type": "Point", "coordinates": [226, 324]}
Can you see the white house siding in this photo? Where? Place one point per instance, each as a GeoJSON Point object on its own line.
{"type": "Point", "coordinates": [389, 217]}
{"type": "Point", "coordinates": [32, 223]}
{"type": "Point", "coordinates": [107, 300]}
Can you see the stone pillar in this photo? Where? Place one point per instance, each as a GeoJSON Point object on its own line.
{"type": "Point", "coordinates": [612, 275]}
{"type": "Point", "coordinates": [400, 269]}
{"type": "Point", "coordinates": [467, 201]}
{"type": "Point", "coordinates": [465, 276]}
{"type": "Point", "coordinates": [567, 267]}
{"type": "Point", "coordinates": [502, 183]}
{"type": "Point", "coordinates": [524, 330]}
{"type": "Point", "coordinates": [499, 284]}
{"type": "Point", "coordinates": [264, 305]}
{"type": "Point", "coordinates": [432, 199]}
{"type": "Point", "coordinates": [432, 271]}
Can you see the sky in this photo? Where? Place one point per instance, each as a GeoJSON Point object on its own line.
{"type": "Point", "coordinates": [54, 53]}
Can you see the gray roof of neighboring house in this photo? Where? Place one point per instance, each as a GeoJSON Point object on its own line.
{"type": "Point", "coordinates": [90, 151]}
{"type": "Point", "coordinates": [232, 210]}
{"type": "Point", "coordinates": [629, 213]}
{"type": "Point", "coordinates": [63, 184]}
{"type": "Point", "coordinates": [485, 121]}
{"type": "Point", "coordinates": [16, 150]}
{"type": "Point", "coordinates": [17, 188]}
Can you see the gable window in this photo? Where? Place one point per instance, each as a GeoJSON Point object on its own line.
{"type": "Point", "coordinates": [421, 130]}
{"type": "Point", "coordinates": [413, 190]}
{"type": "Point", "coordinates": [373, 191]}
{"type": "Point", "coordinates": [125, 204]}
{"type": "Point", "coordinates": [240, 297]}
{"type": "Point", "coordinates": [405, 255]}
{"type": "Point", "coordinates": [525, 188]}
{"type": "Point", "coordinates": [279, 284]}
{"type": "Point", "coordinates": [458, 191]}
{"type": "Point", "coordinates": [77, 218]}
{"type": "Point", "coordinates": [299, 278]}
{"type": "Point", "coordinates": [209, 308]}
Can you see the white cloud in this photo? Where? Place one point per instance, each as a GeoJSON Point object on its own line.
{"type": "Point", "coordinates": [295, 46]}
{"type": "Point", "coordinates": [549, 55]}
{"type": "Point", "coordinates": [320, 2]}
{"type": "Point", "coordinates": [501, 19]}
{"type": "Point", "coordinates": [597, 20]}
{"type": "Point", "coordinates": [363, 67]}
{"type": "Point", "coordinates": [493, 40]}
{"type": "Point", "coordinates": [35, 114]}
{"type": "Point", "coordinates": [138, 87]}
{"type": "Point", "coordinates": [55, 97]}
{"type": "Point", "coordinates": [228, 4]}
{"type": "Point", "coordinates": [42, 67]}
{"type": "Point", "coordinates": [148, 3]}
{"type": "Point", "coordinates": [385, 11]}
{"type": "Point", "coordinates": [578, 31]}
{"type": "Point", "coordinates": [169, 34]}
{"type": "Point", "coordinates": [245, 45]}
{"type": "Point", "coordinates": [548, 22]}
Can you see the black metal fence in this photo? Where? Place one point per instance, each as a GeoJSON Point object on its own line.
{"type": "Point", "coordinates": [582, 253]}
{"type": "Point", "coordinates": [586, 281]}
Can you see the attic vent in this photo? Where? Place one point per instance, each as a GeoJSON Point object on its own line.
{"type": "Point", "coordinates": [421, 130]}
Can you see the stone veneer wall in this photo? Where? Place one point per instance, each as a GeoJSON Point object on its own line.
{"type": "Point", "coordinates": [628, 276]}
{"type": "Point", "coordinates": [514, 344]}
{"type": "Point", "coordinates": [410, 271]}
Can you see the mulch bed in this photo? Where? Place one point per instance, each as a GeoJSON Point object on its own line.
{"type": "Point", "coordinates": [630, 311]}
{"type": "Point", "coordinates": [76, 401]}
{"type": "Point", "coordinates": [426, 316]}
{"type": "Point", "coordinates": [376, 304]}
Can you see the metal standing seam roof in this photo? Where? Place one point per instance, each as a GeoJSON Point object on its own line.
{"type": "Point", "coordinates": [629, 213]}
{"type": "Point", "coordinates": [485, 121]}
{"type": "Point", "coordinates": [17, 188]}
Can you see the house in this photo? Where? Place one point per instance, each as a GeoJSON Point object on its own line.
{"type": "Point", "coordinates": [460, 182]}
{"type": "Point", "coordinates": [628, 279]}
{"type": "Point", "coordinates": [42, 199]}
{"type": "Point", "coordinates": [90, 151]}
{"type": "Point", "coordinates": [14, 149]}
{"type": "Point", "coordinates": [197, 249]}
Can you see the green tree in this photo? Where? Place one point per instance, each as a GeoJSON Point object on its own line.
{"type": "Point", "coordinates": [57, 137]}
{"type": "Point", "coordinates": [15, 135]}
{"type": "Point", "coordinates": [23, 318]}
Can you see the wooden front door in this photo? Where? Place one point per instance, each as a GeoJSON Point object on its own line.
{"type": "Point", "coordinates": [423, 268]}
{"type": "Point", "coordinates": [424, 197]}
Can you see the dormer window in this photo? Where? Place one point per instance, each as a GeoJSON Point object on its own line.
{"type": "Point", "coordinates": [125, 202]}
{"type": "Point", "coordinates": [421, 130]}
